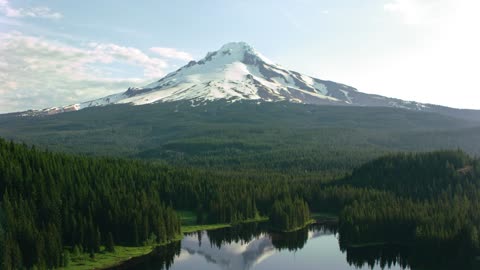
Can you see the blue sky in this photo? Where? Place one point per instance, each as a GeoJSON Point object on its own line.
{"type": "Point", "coordinates": [61, 52]}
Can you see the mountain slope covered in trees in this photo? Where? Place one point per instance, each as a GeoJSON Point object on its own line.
{"type": "Point", "coordinates": [282, 137]}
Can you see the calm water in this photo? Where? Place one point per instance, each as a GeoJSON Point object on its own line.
{"type": "Point", "coordinates": [252, 246]}
{"type": "Point", "coordinates": [321, 251]}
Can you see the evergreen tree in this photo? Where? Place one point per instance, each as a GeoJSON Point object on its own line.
{"type": "Point", "coordinates": [109, 244]}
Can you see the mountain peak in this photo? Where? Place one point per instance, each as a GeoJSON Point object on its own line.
{"type": "Point", "coordinates": [234, 52]}
{"type": "Point", "coordinates": [238, 72]}
{"type": "Point", "coordinates": [237, 46]}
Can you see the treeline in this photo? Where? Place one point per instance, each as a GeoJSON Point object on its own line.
{"type": "Point", "coordinates": [289, 214]}
{"type": "Point", "coordinates": [430, 199]}
{"type": "Point", "coordinates": [452, 222]}
{"type": "Point", "coordinates": [420, 176]}
{"type": "Point", "coordinates": [50, 201]}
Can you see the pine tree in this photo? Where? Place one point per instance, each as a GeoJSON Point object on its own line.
{"type": "Point", "coordinates": [109, 244]}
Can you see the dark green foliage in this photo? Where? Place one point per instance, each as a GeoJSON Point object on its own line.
{"type": "Point", "coordinates": [109, 244]}
{"type": "Point", "coordinates": [304, 140]}
{"type": "Point", "coordinates": [66, 259]}
{"type": "Point", "coordinates": [162, 257]}
{"type": "Point", "coordinates": [53, 200]}
{"type": "Point", "coordinates": [432, 198]}
{"type": "Point", "coordinates": [289, 214]}
{"type": "Point", "coordinates": [417, 175]}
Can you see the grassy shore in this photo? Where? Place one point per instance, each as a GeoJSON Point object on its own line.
{"type": "Point", "coordinates": [324, 216]}
{"type": "Point", "coordinates": [308, 223]}
{"type": "Point", "coordinates": [104, 259]}
{"type": "Point", "coordinates": [189, 223]}
{"type": "Point", "coordinates": [315, 218]}
{"type": "Point", "coordinates": [107, 259]}
{"type": "Point", "coordinates": [206, 227]}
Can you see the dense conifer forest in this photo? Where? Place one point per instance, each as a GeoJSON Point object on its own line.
{"type": "Point", "coordinates": [306, 141]}
{"type": "Point", "coordinates": [431, 198]}
{"type": "Point", "coordinates": [54, 203]}
{"type": "Point", "coordinates": [288, 214]}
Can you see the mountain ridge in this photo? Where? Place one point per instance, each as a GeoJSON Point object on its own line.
{"type": "Point", "coordinates": [238, 72]}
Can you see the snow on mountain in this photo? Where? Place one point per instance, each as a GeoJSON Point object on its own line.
{"type": "Point", "coordinates": [237, 72]}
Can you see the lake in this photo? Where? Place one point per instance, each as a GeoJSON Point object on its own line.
{"type": "Point", "coordinates": [252, 246]}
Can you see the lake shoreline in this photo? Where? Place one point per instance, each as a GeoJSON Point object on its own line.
{"type": "Point", "coordinates": [317, 219]}
{"type": "Point", "coordinates": [308, 223]}
{"type": "Point", "coordinates": [132, 261]}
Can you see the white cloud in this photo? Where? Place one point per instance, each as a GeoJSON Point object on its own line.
{"type": "Point", "coordinates": [441, 64]}
{"type": "Point", "coordinates": [172, 53]}
{"type": "Point", "coordinates": [38, 73]}
{"type": "Point", "coordinates": [34, 12]}
{"type": "Point", "coordinates": [108, 53]}
{"type": "Point", "coordinates": [422, 11]}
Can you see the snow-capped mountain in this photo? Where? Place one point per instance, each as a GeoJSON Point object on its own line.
{"type": "Point", "coordinates": [238, 72]}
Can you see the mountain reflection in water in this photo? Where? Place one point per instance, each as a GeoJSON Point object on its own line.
{"type": "Point", "coordinates": [244, 253]}
{"type": "Point", "coordinates": [252, 246]}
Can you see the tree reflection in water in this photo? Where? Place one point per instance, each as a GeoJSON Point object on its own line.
{"type": "Point", "coordinates": [244, 246]}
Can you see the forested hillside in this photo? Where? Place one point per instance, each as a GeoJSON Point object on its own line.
{"type": "Point", "coordinates": [431, 199]}
{"type": "Point", "coordinates": [52, 202]}
{"type": "Point", "coordinates": [284, 137]}
{"type": "Point", "coordinates": [420, 176]}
